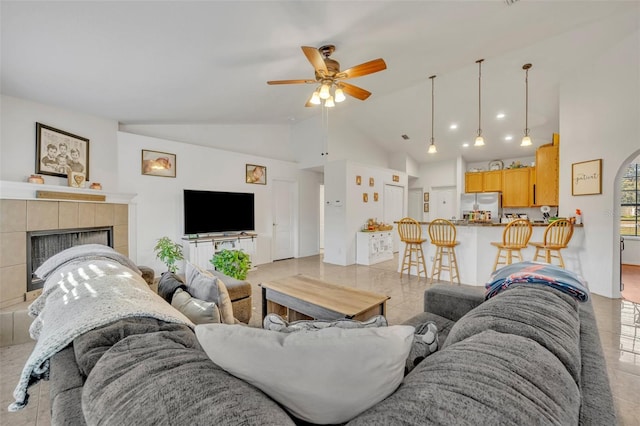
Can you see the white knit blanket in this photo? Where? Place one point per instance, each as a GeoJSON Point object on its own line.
{"type": "Point", "coordinates": [80, 296]}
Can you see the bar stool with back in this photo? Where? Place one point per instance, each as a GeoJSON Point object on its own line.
{"type": "Point", "coordinates": [515, 237]}
{"type": "Point", "coordinates": [443, 235]}
{"type": "Point", "coordinates": [411, 235]}
{"type": "Point", "coordinates": [556, 237]}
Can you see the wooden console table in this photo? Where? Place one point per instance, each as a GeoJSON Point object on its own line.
{"type": "Point", "coordinates": [301, 297]}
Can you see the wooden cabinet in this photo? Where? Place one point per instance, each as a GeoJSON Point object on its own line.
{"type": "Point", "coordinates": [492, 181]}
{"type": "Point", "coordinates": [473, 182]}
{"type": "Point", "coordinates": [547, 174]}
{"type": "Point", "coordinates": [515, 187]}
{"type": "Point", "coordinates": [483, 181]}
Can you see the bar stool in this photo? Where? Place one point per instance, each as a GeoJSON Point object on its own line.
{"type": "Point", "coordinates": [443, 235]}
{"type": "Point", "coordinates": [556, 237]}
{"type": "Point", "coordinates": [411, 235]}
{"type": "Point", "coordinates": [515, 237]}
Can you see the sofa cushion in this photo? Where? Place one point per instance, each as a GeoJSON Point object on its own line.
{"type": "Point", "coordinates": [537, 312]}
{"type": "Point", "coordinates": [489, 378]}
{"type": "Point", "coordinates": [198, 311]}
{"type": "Point", "coordinates": [203, 285]}
{"type": "Point", "coordinates": [324, 376]}
{"type": "Point", "coordinates": [165, 378]}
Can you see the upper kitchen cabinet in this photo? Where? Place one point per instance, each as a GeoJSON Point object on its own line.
{"type": "Point", "coordinates": [547, 173]}
{"type": "Point", "coordinates": [473, 182]}
{"type": "Point", "coordinates": [516, 187]}
{"type": "Point", "coordinates": [483, 181]}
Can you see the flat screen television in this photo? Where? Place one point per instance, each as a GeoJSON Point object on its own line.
{"type": "Point", "coordinates": [213, 211]}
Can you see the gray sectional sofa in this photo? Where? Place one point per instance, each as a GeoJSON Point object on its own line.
{"type": "Point", "coordinates": [530, 355]}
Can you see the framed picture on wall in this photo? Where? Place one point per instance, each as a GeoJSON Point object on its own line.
{"type": "Point", "coordinates": [426, 207]}
{"type": "Point", "coordinates": [156, 163]}
{"type": "Point", "coordinates": [426, 197]}
{"type": "Point", "coordinates": [256, 174]}
{"type": "Point", "coordinates": [586, 177]}
{"type": "Point", "coordinates": [59, 152]}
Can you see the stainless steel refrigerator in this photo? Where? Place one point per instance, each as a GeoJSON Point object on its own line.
{"type": "Point", "coordinates": [487, 202]}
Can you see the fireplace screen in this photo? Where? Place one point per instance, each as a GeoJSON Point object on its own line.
{"type": "Point", "coordinates": [41, 245]}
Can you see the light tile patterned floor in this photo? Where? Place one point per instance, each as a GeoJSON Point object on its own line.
{"type": "Point", "coordinates": [618, 322]}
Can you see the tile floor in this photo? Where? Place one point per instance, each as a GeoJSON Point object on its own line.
{"type": "Point", "coordinates": [618, 322]}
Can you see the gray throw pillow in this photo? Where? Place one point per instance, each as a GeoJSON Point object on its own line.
{"type": "Point", "coordinates": [425, 342]}
{"type": "Point", "coordinates": [275, 322]}
{"type": "Point", "coordinates": [168, 284]}
{"type": "Point", "coordinates": [198, 311]}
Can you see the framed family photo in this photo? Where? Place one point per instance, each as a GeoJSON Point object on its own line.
{"type": "Point", "coordinates": [58, 153]}
{"type": "Point", "coordinates": [586, 177]}
{"type": "Point", "coordinates": [156, 163]}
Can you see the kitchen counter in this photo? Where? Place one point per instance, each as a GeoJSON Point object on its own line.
{"type": "Point", "coordinates": [476, 255]}
{"type": "Point", "coordinates": [457, 224]}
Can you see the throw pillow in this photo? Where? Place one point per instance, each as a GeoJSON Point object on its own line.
{"type": "Point", "coordinates": [198, 311]}
{"type": "Point", "coordinates": [205, 286]}
{"type": "Point", "coordinates": [275, 322]}
{"type": "Point", "coordinates": [168, 284]}
{"type": "Point", "coordinates": [425, 342]}
{"type": "Point", "coordinates": [326, 376]}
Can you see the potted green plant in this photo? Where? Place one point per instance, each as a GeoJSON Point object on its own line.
{"type": "Point", "coordinates": [233, 263]}
{"type": "Point", "coordinates": [169, 253]}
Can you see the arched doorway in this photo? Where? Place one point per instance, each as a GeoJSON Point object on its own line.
{"type": "Point", "coordinates": [628, 184]}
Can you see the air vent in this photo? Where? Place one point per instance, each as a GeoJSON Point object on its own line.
{"type": "Point", "coordinates": [405, 137]}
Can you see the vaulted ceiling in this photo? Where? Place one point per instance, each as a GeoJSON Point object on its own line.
{"type": "Point", "coordinates": [150, 62]}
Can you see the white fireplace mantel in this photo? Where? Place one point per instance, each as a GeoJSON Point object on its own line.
{"type": "Point", "coordinates": [27, 191]}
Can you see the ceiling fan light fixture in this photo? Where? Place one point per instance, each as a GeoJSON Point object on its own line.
{"type": "Point", "coordinates": [315, 98]}
{"type": "Point", "coordinates": [324, 91]}
{"type": "Point", "coordinates": [339, 95]}
{"type": "Point", "coordinates": [329, 102]}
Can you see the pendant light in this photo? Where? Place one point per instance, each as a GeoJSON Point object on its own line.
{"type": "Point", "coordinates": [432, 147]}
{"type": "Point", "coordinates": [526, 140]}
{"type": "Point", "coordinates": [479, 138]}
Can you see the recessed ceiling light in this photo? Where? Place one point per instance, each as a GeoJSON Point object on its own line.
{"type": "Point", "coordinates": [500, 115]}
{"type": "Point", "coordinates": [453, 126]}
{"type": "Point", "coordinates": [465, 145]}
{"type": "Point", "coordinates": [508, 138]}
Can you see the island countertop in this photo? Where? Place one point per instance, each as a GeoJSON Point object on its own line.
{"type": "Point", "coordinates": [490, 224]}
{"type": "Point", "coordinates": [476, 255]}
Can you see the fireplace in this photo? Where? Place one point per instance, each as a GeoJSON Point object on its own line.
{"type": "Point", "coordinates": [41, 245]}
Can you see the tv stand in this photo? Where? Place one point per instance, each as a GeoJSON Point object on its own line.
{"type": "Point", "coordinates": [201, 249]}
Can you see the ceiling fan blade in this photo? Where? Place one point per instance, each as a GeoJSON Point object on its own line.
{"type": "Point", "coordinates": [315, 57]}
{"type": "Point", "coordinates": [355, 91]}
{"type": "Point", "coordinates": [364, 69]}
{"type": "Point", "coordinates": [291, 82]}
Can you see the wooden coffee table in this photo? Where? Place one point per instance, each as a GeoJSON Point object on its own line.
{"type": "Point", "coordinates": [301, 297]}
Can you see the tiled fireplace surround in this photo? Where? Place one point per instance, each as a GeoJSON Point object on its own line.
{"type": "Point", "coordinates": [17, 217]}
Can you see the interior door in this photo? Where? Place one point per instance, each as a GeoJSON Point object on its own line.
{"type": "Point", "coordinates": [393, 210]}
{"type": "Point", "coordinates": [416, 204]}
{"type": "Point", "coordinates": [283, 219]}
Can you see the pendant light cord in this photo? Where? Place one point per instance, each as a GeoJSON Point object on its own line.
{"type": "Point", "coordinates": [432, 78]}
{"type": "Point", "coordinates": [479, 61]}
{"type": "Point", "coordinates": [526, 103]}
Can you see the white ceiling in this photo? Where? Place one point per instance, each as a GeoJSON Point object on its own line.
{"type": "Point", "coordinates": [175, 62]}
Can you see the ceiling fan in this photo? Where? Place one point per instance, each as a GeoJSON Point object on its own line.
{"type": "Point", "coordinates": [329, 77]}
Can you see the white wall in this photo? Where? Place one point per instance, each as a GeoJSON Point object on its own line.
{"type": "Point", "coordinates": [599, 118]}
{"type": "Point", "coordinates": [436, 175]}
{"type": "Point", "coordinates": [18, 141]}
{"type": "Point", "coordinates": [159, 204]}
{"type": "Point", "coordinates": [270, 141]}
{"type": "Point", "coordinates": [345, 210]}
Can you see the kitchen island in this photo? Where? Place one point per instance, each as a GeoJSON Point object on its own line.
{"type": "Point", "coordinates": [476, 255]}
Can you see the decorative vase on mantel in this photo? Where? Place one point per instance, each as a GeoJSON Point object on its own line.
{"type": "Point", "coordinates": [35, 179]}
